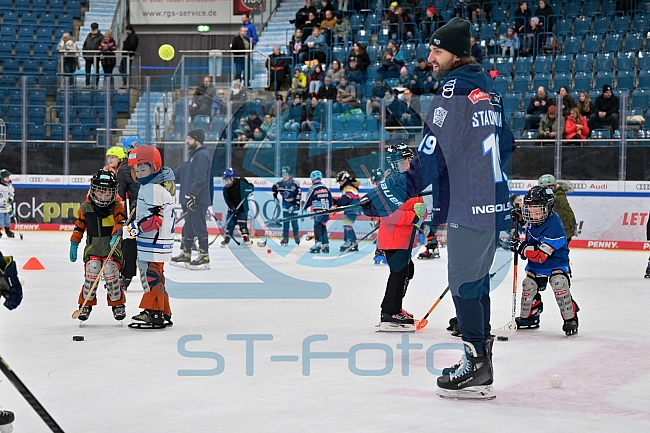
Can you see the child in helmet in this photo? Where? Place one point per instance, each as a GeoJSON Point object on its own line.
{"type": "Point", "coordinates": [545, 247]}
{"type": "Point", "coordinates": [127, 188]}
{"type": "Point", "coordinates": [101, 216]}
{"type": "Point", "coordinates": [349, 196]}
{"type": "Point", "coordinates": [6, 202]}
{"type": "Point", "coordinates": [290, 192]}
{"type": "Point", "coordinates": [319, 198]}
{"type": "Point", "coordinates": [115, 157]}
{"type": "Point", "coordinates": [236, 195]}
{"type": "Point", "coordinates": [153, 227]}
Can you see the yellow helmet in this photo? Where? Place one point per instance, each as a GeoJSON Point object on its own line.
{"type": "Point", "coordinates": [116, 151]}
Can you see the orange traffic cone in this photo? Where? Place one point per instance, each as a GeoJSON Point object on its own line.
{"type": "Point", "coordinates": [33, 265]}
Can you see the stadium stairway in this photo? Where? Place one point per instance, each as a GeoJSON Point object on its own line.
{"type": "Point", "coordinates": [101, 12]}
{"type": "Point", "coordinates": [138, 120]}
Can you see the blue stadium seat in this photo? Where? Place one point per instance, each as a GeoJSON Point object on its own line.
{"type": "Point", "coordinates": [36, 113]}
{"type": "Point", "coordinates": [543, 64]}
{"type": "Point", "coordinates": [592, 43]}
{"type": "Point", "coordinates": [28, 18]}
{"type": "Point", "coordinates": [41, 49]}
{"type": "Point", "coordinates": [600, 134]}
{"type": "Point", "coordinates": [14, 113]}
{"type": "Point", "coordinates": [633, 41]}
{"type": "Point", "coordinates": [31, 65]}
{"type": "Point", "coordinates": [289, 136]}
{"type": "Point", "coordinates": [644, 79]}
{"type": "Point", "coordinates": [57, 5]}
{"type": "Point", "coordinates": [47, 19]}
{"type": "Point", "coordinates": [425, 102]}
{"type": "Point", "coordinates": [511, 102]}
{"type": "Point", "coordinates": [643, 133]}
{"type": "Point", "coordinates": [542, 79]}
{"type": "Point", "coordinates": [6, 47]}
{"type": "Point", "coordinates": [522, 83]}
{"type": "Point", "coordinates": [488, 30]}
{"type": "Point", "coordinates": [355, 122]}
{"type": "Point", "coordinates": [643, 63]}
{"type": "Point", "coordinates": [625, 79]}
{"type": "Point", "coordinates": [590, 7]}
{"type": "Point", "coordinates": [337, 122]}
{"type": "Point", "coordinates": [522, 65]}
{"type": "Point", "coordinates": [562, 26]}
{"type": "Point", "coordinates": [529, 134]}
{"type": "Point", "coordinates": [218, 122]}
{"type": "Point", "coordinates": [423, 50]}
{"type": "Point", "coordinates": [22, 4]}
{"type": "Point", "coordinates": [582, 81]}
{"type": "Point", "coordinates": [583, 63]}
{"type": "Point", "coordinates": [202, 122]}
{"type": "Point", "coordinates": [640, 99]}
{"type": "Point", "coordinates": [372, 123]}
{"type": "Point", "coordinates": [10, 17]}
{"type": "Point", "coordinates": [519, 120]}
{"type": "Point", "coordinates": [15, 96]}
{"type": "Point", "coordinates": [37, 96]}
{"type": "Point", "coordinates": [562, 63]}
{"type": "Point", "coordinates": [56, 131]}
{"type": "Point", "coordinates": [572, 44]}
{"type": "Point", "coordinates": [44, 34]}
{"type": "Point", "coordinates": [601, 24]}
{"type": "Point", "coordinates": [604, 61]}
{"type": "Point", "coordinates": [582, 24]}
{"type": "Point", "coordinates": [502, 83]}
{"type": "Point", "coordinates": [373, 52]}
{"type": "Point", "coordinates": [503, 65]}
{"type": "Point", "coordinates": [608, 7]}
{"type": "Point", "coordinates": [604, 77]}
{"type": "Point", "coordinates": [629, 134]}
{"type": "Point", "coordinates": [36, 131]}
{"type": "Point", "coordinates": [8, 33]}
{"type": "Point", "coordinates": [562, 79]}
{"type": "Point", "coordinates": [625, 61]}
{"type": "Point", "coordinates": [621, 23]}
{"type": "Point", "coordinates": [640, 23]}
{"type": "Point", "coordinates": [356, 21]}
{"type": "Point", "coordinates": [26, 33]}
{"type": "Point", "coordinates": [613, 42]}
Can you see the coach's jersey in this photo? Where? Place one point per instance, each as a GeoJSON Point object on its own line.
{"type": "Point", "coordinates": [463, 154]}
{"type": "Point", "coordinates": [551, 233]}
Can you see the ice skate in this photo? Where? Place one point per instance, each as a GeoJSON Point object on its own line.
{"type": "Point", "coordinates": [531, 322]}
{"type": "Point", "coordinates": [148, 319]}
{"type": "Point", "coordinates": [182, 260]}
{"type": "Point", "coordinates": [225, 241]}
{"type": "Point", "coordinates": [125, 283]}
{"type": "Point", "coordinates": [315, 249]}
{"type": "Point", "coordinates": [570, 326]}
{"type": "Point", "coordinates": [9, 233]}
{"type": "Point", "coordinates": [296, 239]}
{"type": "Point", "coordinates": [202, 262]}
{"type": "Point", "coordinates": [246, 240]}
{"type": "Point", "coordinates": [6, 419]}
{"type": "Point", "coordinates": [489, 343]}
{"type": "Point", "coordinates": [472, 380]}
{"type": "Point", "coordinates": [345, 246]}
{"type": "Point", "coordinates": [325, 249]}
{"type": "Point", "coordinates": [647, 272]}
{"type": "Point", "coordinates": [396, 323]}
{"type": "Point", "coordinates": [85, 313]}
{"type": "Point", "coordinates": [354, 247]}
{"type": "Point", "coordinates": [284, 242]}
{"type": "Point", "coordinates": [168, 320]}
{"type": "Point", "coordinates": [119, 312]}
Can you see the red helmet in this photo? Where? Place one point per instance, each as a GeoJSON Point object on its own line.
{"type": "Point", "coordinates": [146, 154]}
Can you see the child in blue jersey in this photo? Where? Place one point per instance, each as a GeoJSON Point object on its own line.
{"type": "Point", "coordinates": [349, 197]}
{"type": "Point", "coordinates": [547, 252]}
{"type": "Point", "coordinates": [290, 192]}
{"type": "Point", "coordinates": [319, 198]}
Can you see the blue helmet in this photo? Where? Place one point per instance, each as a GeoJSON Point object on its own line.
{"type": "Point", "coordinates": [229, 173]}
{"type": "Point", "coordinates": [130, 143]}
{"type": "Point", "coordinates": [316, 174]}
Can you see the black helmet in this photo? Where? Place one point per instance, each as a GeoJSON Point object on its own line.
{"type": "Point", "coordinates": [538, 198]}
{"type": "Point", "coordinates": [395, 154]}
{"type": "Point", "coordinates": [103, 188]}
{"type": "Point", "coordinates": [4, 173]}
{"type": "Point", "coordinates": [343, 175]}
{"type": "Point", "coordinates": [286, 169]}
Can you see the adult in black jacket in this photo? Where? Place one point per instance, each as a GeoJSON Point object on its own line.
{"type": "Point", "coordinates": [363, 59]}
{"type": "Point", "coordinates": [131, 45]}
{"type": "Point", "coordinates": [127, 188]}
{"type": "Point", "coordinates": [537, 108]}
{"type": "Point", "coordinates": [91, 43]}
{"type": "Point", "coordinates": [278, 64]}
{"type": "Point", "coordinates": [242, 43]}
{"type": "Point", "coordinates": [303, 14]}
{"type": "Point", "coordinates": [203, 98]}
{"type": "Point", "coordinates": [605, 110]}
{"type": "Point", "coordinates": [327, 90]}
{"type": "Point", "coordinates": [195, 197]}
{"type": "Point", "coordinates": [522, 17]}
{"type": "Point", "coordinates": [236, 195]}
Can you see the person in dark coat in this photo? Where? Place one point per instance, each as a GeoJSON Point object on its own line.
{"type": "Point", "coordinates": [241, 43]}
{"type": "Point", "coordinates": [130, 44]}
{"type": "Point", "coordinates": [202, 99]}
{"type": "Point", "coordinates": [278, 65]}
{"type": "Point", "coordinates": [91, 43]}
{"type": "Point", "coordinates": [605, 110]}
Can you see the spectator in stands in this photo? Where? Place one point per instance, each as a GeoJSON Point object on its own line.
{"type": "Point", "coordinates": [328, 24]}
{"type": "Point", "coordinates": [251, 32]}
{"type": "Point", "coordinates": [509, 43]}
{"type": "Point", "coordinates": [324, 7]}
{"type": "Point", "coordinates": [312, 23]}
{"type": "Point", "coordinates": [316, 79]}
{"type": "Point", "coordinates": [522, 17]}
{"type": "Point", "coordinates": [315, 117]}
{"type": "Point", "coordinates": [241, 42]}
{"type": "Point", "coordinates": [298, 84]}
{"type": "Point", "coordinates": [278, 65]}
{"type": "Point", "coordinates": [605, 111]}
{"type": "Point", "coordinates": [393, 58]}
{"type": "Point", "coordinates": [461, 10]}
{"type": "Point", "coordinates": [327, 90]}
{"type": "Point", "coordinates": [342, 29]}
{"type": "Point", "coordinates": [274, 108]}
{"type": "Point", "coordinates": [303, 14]}
{"type": "Point", "coordinates": [531, 39]}
{"type": "Point", "coordinates": [400, 26]}
{"type": "Point", "coordinates": [378, 93]}
{"type": "Point", "coordinates": [269, 127]}
{"type": "Point", "coordinates": [92, 42]}
{"type": "Point", "coordinates": [355, 74]}
{"type": "Point", "coordinates": [537, 108]}
{"type": "Point", "coordinates": [362, 57]}
{"type": "Point", "coordinates": [69, 54]}
{"type": "Point", "coordinates": [576, 126]}
{"type": "Point", "coordinates": [294, 116]}
{"type": "Point", "coordinates": [296, 44]}
{"type": "Point", "coordinates": [584, 104]}
{"type": "Point", "coordinates": [313, 48]}
{"type": "Point", "coordinates": [202, 100]}
{"type": "Point", "coordinates": [108, 47]}
{"type": "Point", "coordinates": [544, 12]}
{"type": "Point", "coordinates": [346, 96]}
{"type": "Point", "coordinates": [130, 45]}
{"type": "Point", "coordinates": [567, 101]}
{"type": "Point", "coordinates": [477, 52]}
{"type": "Point", "coordinates": [219, 103]}
{"type": "Point", "coordinates": [335, 72]}
{"type": "Point", "coordinates": [410, 115]}
{"type": "Point", "coordinates": [394, 109]}
{"type": "Point", "coordinates": [238, 96]}
{"type": "Point", "coordinates": [548, 123]}
{"type": "Point", "coordinates": [259, 140]}
{"type": "Point", "coordinates": [422, 78]}
{"type": "Point", "coordinates": [254, 122]}
{"type": "Point", "coordinates": [430, 23]}
{"type": "Point", "coordinates": [404, 79]}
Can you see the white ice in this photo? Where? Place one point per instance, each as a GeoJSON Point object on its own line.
{"type": "Point", "coordinates": [122, 380]}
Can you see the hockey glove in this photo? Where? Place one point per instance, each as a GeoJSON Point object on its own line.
{"type": "Point", "coordinates": [10, 287]}
{"type": "Point", "coordinates": [131, 231]}
{"type": "Point", "coordinates": [517, 245]}
{"type": "Point", "coordinates": [114, 239]}
{"type": "Point", "coordinates": [73, 251]}
{"type": "Point", "coordinates": [151, 223]}
{"type": "Point", "coordinates": [190, 202]}
{"type": "Point", "coordinates": [517, 215]}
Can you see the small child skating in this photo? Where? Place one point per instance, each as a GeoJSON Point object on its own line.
{"type": "Point", "coordinates": [545, 248]}
{"type": "Point", "coordinates": [6, 202]}
{"type": "Point", "coordinates": [101, 217]}
{"type": "Point", "coordinates": [349, 197]}
{"type": "Point", "coordinates": [154, 232]}
{"type": "Point", "coordinates": [236, 195]}
{"type": "Point", "coordinates": [290, 192]}
{"type": "Point", "coordinates": [319, 198]}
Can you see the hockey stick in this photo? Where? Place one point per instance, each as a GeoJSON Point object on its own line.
{"type": "Point", "coordinates": [506, 331]}
{"type": "Point", "coordinates": [76, 313]}
{"type": "Point", "coordinates": [354, 244]}
{"type": "Point", "coordinates": [20, 233]}
{"type": "Point", "coordinates": [266, 229]}
{"type": "Point", "coordinates": [27, 395]}
{"type": "Point", "coordinates": [222, 229]}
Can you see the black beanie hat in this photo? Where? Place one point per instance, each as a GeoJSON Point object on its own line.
{"type": "Point", "coordinates": [197, 134]}
{"type": "Point", "coordinates": [453, 37]}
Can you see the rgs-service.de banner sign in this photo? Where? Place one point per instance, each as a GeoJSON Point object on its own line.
{"type": "Point", "coordinates": [195, 12]}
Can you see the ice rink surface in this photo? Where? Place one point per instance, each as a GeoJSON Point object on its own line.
{"type": "Point", "coordinates": [198, 376]}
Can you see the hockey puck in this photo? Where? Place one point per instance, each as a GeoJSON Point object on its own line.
{"type": "Point", "coordinates": [502, 338]}
{"type": "Point", "coordinates": [78, 338]}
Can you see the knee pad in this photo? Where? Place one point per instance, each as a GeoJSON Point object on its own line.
{"type": "Point", "coordinates": [561, 288]}
{"type": "Point", "coordinates": [112, 280]}
{"type": "Point", "coordinates": [529, 297]}
{"type": "Point", "coordinates": [93, 267]}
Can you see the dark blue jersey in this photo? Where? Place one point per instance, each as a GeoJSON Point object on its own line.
{"type": "Point", "coordinates": [551, 233]}
{"type": "Point", "coordinates": [319, 198]}
{"type": "Point", "coordinates": [290, 192]}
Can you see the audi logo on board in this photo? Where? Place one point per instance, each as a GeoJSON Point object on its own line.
{"type": "Point", "coordinates": [77, 180]}
{"type": "Point", "coordinates": [579, 185]}
{"type": "Point", "coordinates": [518, 185]}
{"type": "Point", "coordinates": [643, 186]}
{"type": "Point", "coordinates": [35, 179]}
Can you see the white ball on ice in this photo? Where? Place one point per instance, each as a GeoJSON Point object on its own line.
{"type": "Point", "coordinates": [556, 381]}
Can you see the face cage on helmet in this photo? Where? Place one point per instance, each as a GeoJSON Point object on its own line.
{"type": "Point", "coordinates": [95, 190]}
{"type": "Point", "coordinates": [546, 211]}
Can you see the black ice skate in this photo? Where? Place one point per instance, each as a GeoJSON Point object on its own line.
{"type": "Point", "coordinates": [296, 239]}
{"type": "Point", "coordinates": [284, 242]}
{"type": "Point", "coordinates": [454, 328]}
{"type": "Point", "coordinates": [6, 419]}
{"type": "Point", "coordinates": [531, 322]}
{"type": "Point", "coordinates": [247, 240]}
{"type": "Point", "coordinates": [570, 326]}
{"type": "Point", "coordinates": [430, 253]}
{"type": "Point", "coordinates": [316, 248]}
{"type": "Point", "coordinates": [202, 262]}
{"type": "Point", "coordinates": [119, 312]}
{"type": "Point", "coordinates": [225, 241]}
{"type": "Point", "coordinates": [647, 272]}
{"type": "Point", "coordinates": [182, 260]}
{"type": "Point", "coordinates": [148, 319]}
{"type": "Point", "coordinates": [168, 320]}
{"type": "Point", "coordinates": [396, 323]}
{"type": "Point", "coordinates": [9, 233]}
{"type": "Point", "coordinates": [489, 343]}
{"type": "Point", "coordinates": [85, 313]}
{"type": "Point", "coordinates": [345, 246]}
{"type": "Point", "coordinates": [472, 380]}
